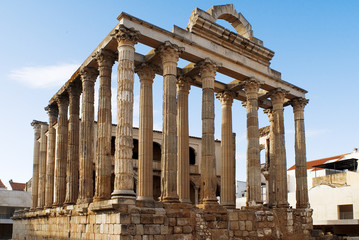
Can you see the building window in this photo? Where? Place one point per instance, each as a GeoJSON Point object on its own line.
{"type": "Point", "coordinates": [156, 151]}
{"type": "Point", "coordinates": [345, 211]}
{"type": "Point", "coordinates": [192, 156]}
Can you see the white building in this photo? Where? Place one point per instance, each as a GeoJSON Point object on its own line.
{"type": "Point", "coordinates": [11, 200]}
{"type": "Point", "coordinates": [333, 185]}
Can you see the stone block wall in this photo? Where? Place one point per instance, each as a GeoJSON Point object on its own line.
{"type": "Point", "coordinates": [132, 220]}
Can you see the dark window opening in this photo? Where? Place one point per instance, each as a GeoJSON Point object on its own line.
{"type": "Point", "coordinates": [135, 149]}
{"type": "Point", "coordinates": [156, 187]}
{"type": "Point", "coordinates": [156, 152]}
{"type": "Point", "coordinates": [345, 211]}
{"type": "Point", "coordinates": [113, 140]}
{"type": "Point", "coordinates": [192, 156]}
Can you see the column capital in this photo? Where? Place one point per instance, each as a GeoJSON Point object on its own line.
{"type": "Point", "coordinates": [298, 104]}
{"type": "Point", "coordinates": [105, 58]}
{"type": "Point", "coordinates": [269, 113]}
{"type": "Point", "coordinates": [277, 96]}
{"type": "Point", "coordinates": [146, 72]}
{"type": "Point", "coordinates": [74, 89]}
{"type": "Point", "coordinates": [169, 52]}
{"type": "Point", "coordinates": [88, 74]}
{"type": "Point", "coordinates": [251, 85]}
{"type": "Point", "coordinates": [184, 84]}
{"type": "Point", "coordinates": [37, 124]}
{"type": "Point", "coordinates": [208, 67]}
{"type": "Point", "coordinates": [226, 97]}
{"type": "Point", "coordinates": [52, 110]}
{"type": "Point", "coordinates": [126, 35]}
{"type": "Point", "coordinates": [62, 100]}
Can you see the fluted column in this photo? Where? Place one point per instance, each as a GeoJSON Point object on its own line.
{"type": "Point", "coordinates": [61, 151]}
{"type": "Point", "coordinates": [251, 88]}
{"type": "Point", "coordinates": [123, 187]}
{"type": "Point", "coordinates": [145, 144]}
{"type": "Point", "coordinates": [277, 98]}
{"type": "Point", "coordinates": [169, 55]}
{"type": "Point", "coordinates": [72, 169]}
{"type": "Point", "coordinates": [53, 112]}
{"type": "Point", "coordinates": [208, 164]}
{"type": "Point", "coordinates": [183, 181]}
{"type": "Point", "coordinates": [105, 59]}
{"type": "Point", "coordinates": [271, 188]}
{"type": "Point", "coordinates": [35, 174]}
{"type": "Point", "coordinates": [42, 167]}
{"type": "Point", "coordinates": [88, 78]}
{"type": "Point", "coordinates": [228, 192]}
{"type": "Point", "coordinates": [300, 153]}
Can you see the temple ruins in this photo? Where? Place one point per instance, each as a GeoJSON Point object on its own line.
{"type": "Point", "coordinates": [95, 180]}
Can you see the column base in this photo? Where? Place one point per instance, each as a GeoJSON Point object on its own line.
{"type": "Point", "coordinates": [84, 201]}
{"type": "Point", "coordinates": [100, 199]}
{"type": "Point", "coordinates": [185, 201]}
{"type": "Point", "coordinates": [123, 194]}
{"type": "Point", "coordinates": [228, 205]}
{"type": "Point", "coordinates": [254, 205]}
{"type": "Point", "coordinates": [302, 206]}
{"type": "Point", "coordinates": [145, 199]}
{"type": "Point", "coordinates": [283, 205]}
{"type": "Point", "coordinates": [69, 203]}
{"type": "Point", "coordinates": [170, 200]}
{"type": "Point", "coordinates": [56, 205]}
{"type": "Point", "coordinates": [210, 201]}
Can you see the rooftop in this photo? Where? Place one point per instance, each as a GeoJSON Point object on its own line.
{"type": "Point", "coordinates": [328, 161]}
{"type": "Point", "coordinates": [2, 185]}
{"type": "Point", "coordinates": [17, 186]}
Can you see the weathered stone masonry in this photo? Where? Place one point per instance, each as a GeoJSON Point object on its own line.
{"type": "Point", "coordinates": [70, 203]}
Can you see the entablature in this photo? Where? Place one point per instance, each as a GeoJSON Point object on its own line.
{"type": "Point", "coordinates": [228, 51]}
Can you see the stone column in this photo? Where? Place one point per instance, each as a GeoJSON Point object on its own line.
{"type": "Point", "coordinates": [72, 169]}
{"type": "Point", "coordinates": [228, 192]}
{"type": "Point", "coordinates": [105, 59]}
{"type": "Point", "coordinates": [123, 187]}
{"type": "Point", "coordinates": [53, 112]}
{"type": "Point", "coordinates": [300, 153]}
{"type": "Point", "coordinates": [42, 167]}
{"type": "Point", "coordinates": [208, 164]}
{"type": "Point", "coordinates": [61, 151]}
{"type": "Point", "coordinates": [35, 174]}
{"type": "Point", "coordinates": [169, 55]}
{"type": "Point", "coordinates": [254, 195]}
{"type": "Point", "coordinates": [88, 78]}
{"type": "Point", "coordinates": [145, 144]}
{"type": "Point", "coordinates": [271, 162]}
{"type": "Point", "coordinates": [277, 98]}
{"type": "Point", "coordinates": [183, 181]}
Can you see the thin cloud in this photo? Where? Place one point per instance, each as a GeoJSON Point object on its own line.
{"type": "Point", "coordinates": [317, 132]}
{"type": "Point", "coordinates": [44, 76]}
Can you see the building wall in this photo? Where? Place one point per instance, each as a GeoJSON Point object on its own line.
{"type": "Point", "coordinates": [163, 221]}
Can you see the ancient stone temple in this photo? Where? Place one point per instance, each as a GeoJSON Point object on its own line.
{"type": "Point", "coordinates": [95, 180]}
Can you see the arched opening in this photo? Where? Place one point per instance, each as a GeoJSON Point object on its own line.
{"type": "Point", "coordinates": [192, 156]}
{"type": "Point", "coordinates": [237, 20]}
{"type": "Point", "coordinates": [156, 151]}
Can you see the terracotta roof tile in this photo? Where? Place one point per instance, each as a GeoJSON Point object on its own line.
{"type": "Point", "coordinates": [311, 164]}
{"type": "Point", "coordinates": [17, 186]}
{"type": "Point", "coordinates": [2, 185]}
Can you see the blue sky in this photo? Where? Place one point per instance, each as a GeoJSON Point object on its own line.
{"type": "Point", "coordinates": [315, 44]}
